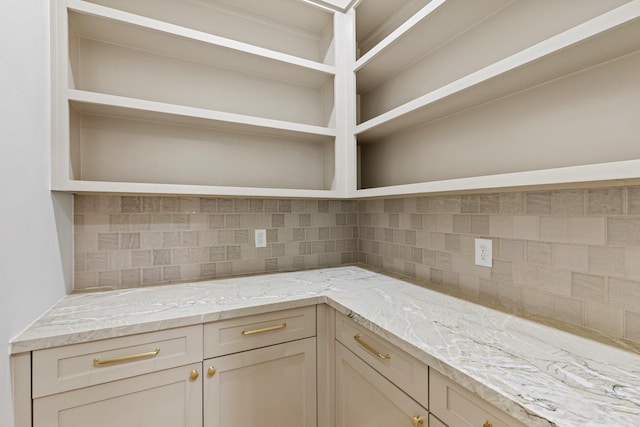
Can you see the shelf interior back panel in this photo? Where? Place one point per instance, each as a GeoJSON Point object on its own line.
{"type": "Point", "coordinates": [586, 118]}
{"type": "Point", "coordinates": [435, 53]}
{"type": "Point", "coordinates": [286, 26]}
{"type": "Point", "coordinates": [116, 58]}
{"type": "Point", "coordinates": [376, 19]}
{"type": "Point", "coordinates": [120, 149]}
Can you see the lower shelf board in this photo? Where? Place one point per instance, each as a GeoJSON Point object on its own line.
{"type": "Point", "coordinates": [623, 172]}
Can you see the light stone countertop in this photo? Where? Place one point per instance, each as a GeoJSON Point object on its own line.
{"type": "Point", "coordinates": [541, 375]}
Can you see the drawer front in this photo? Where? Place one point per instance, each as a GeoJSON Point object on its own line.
{"type": "Point", "coordinates": [82, 365]}
{"type": "Point", "coordinates": [402, 369]}
{"type": "Point", "coordinates": [458, 407]}
{"type": "Point", "coordinates": [168, 398]}
{"type": "Point", "coordinates": [364, 397]}
{"type": "Point", "coordinates": [261, 330]}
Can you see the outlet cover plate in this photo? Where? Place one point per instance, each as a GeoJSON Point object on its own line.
{"type": "Point", "coordinates": [484, 252]}
{"type": "Point", "coordinates": [261, 238]}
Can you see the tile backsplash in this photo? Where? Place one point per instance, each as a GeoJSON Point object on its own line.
{"type": "Point", "coordinates": [123, 241]}
{"type": "Point", "coordinates": [571, 255]}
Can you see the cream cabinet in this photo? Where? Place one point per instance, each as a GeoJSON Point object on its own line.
{"type": "Point", "coordinates": [148, 380]}
{"type": "Point", "coordinates": [458, 407]}
{"type": "Point", "coordinates": [273, 386]}
{"type": "Point", "coordinates": [402, 369]}
{"type": "Point", "coordinates": [168, 398]}
{"type": "Point", "coordinates": [300, 367]}
{"type": "Point", "coordinates": [365, 398]}
{"type": "Point", "coordinates": [261, 370]}
{"type": "Point", "coordinates": [377, 384]}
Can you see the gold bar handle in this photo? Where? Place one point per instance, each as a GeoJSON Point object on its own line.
{"type": "Point", "coordinates": [97, 362]}
{"type": "Point", "coordinates": [371, 349]}
{"type": "Point", "coordinates": [417, 421]}
{"type": "Point", "coordinates": [263, 330]}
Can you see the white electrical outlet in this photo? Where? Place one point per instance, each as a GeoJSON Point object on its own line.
{"type": "Point", "coordinates": [261, 238]}
{"type": "Point", "coordinates": [484, 252]}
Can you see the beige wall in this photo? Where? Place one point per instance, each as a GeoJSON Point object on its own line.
{"type": "Point", "coordinates": [572, 255]}
{"type": "Point", "coordinates": [125, 241]}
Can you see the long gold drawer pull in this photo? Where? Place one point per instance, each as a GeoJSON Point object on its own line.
{"type": "Point", "coordinates": [417, 421]}
{"type": "Point", "coordinates": [98, 362]}
{"type": "Point", "coordinates": [371, 349]}
{"type": "Point", "coordinates": [263, 330]}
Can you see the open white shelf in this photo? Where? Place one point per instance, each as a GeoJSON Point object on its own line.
{"type": "Point", "coordinates": [120, 144]}
{"type": "Point", "coordinates": [256, 98]}
{"type": "Point", "coordinates": [432, 26]}
{"type": "Point", "coordinates": [623, 171]}
{"type": "Point", "coordinates": [150, 98]}
{"type": "Point", "coordinates": [376, 19]}
{"type": "Point", "coordinates": [89, 187]}
{"type": "Point", "coordinates": [607, 37]}
{"type": "Point", "coordinates": [291, 27]}
{"type": "Point", "coordinates": [117, 106]}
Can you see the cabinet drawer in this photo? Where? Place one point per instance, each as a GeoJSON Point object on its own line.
{"type": "Point", "coordinates": [402, 369]}
{"type": "Point", "coordinates": [261, 330]}
{"type": "Point", "coordinates": [168, 398]}
{"type": "Point", "coordinates": [458, 407]}
{"type": "Point", "coordinates": [365, 398]}
{"type": "Point", "coordinates": [82, 365]}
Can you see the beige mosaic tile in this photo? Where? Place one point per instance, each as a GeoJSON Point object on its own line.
{"type": "Point", "coordinates": [588, 287]}
{"type": "Point", "coordinates": [572, 255]}
{"type": "Point", "coordinates": [568, 202]}
{"type": "Point", "coordinates": [607, 260]}
{"type": "Point", "coordinates": [623, 231]}
{"type": "Point", "coordinates": [605, 201]}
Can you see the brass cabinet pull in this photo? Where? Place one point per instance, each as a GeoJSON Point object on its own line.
{"type": "Point", "coordinates": [97, 362]}
{"type": "Point", "coordinates": [211, 371]}
{"type": "Point", "coordinates": [417, 421]}
{"type": "Point", "coordinates": [487, 424]}
{"type": "Point", "coordinates": [263, 330]}
{"type": "Point", "coordinates": [371, 349]}
{"type": "Point", "coordinates": [194, 375]}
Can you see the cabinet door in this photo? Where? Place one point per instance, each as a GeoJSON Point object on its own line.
{"type": "Point", "coordinates": [364, 398]}
{"type": "Point", "coordinates": [269, 387]}
{"type": "Point", "coordinates": [170, 398]}
{"type": "Point", "coordinates": [458, 407]}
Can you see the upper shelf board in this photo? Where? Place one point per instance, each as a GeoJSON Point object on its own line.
{"type": "Point", "coordinates": [117, 106]}
{"type": "Point", "coordinates": [602, 39]}
{"type": "Point", "coordinates": [427, 30]}
{"type": "Point", "coordinates": [122, 28]}
{"type": "Point", "coordinates": [376, 19]}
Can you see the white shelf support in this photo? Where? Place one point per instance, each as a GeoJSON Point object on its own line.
{"type": "Point", "coordinates": [345, 104]}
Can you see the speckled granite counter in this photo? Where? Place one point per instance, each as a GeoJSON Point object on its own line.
{"type": "Point", "coordinates": [540, 375]}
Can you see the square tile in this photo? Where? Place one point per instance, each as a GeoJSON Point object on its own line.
{"type": "Point", "coordinates": [588, 287]}
{"type": "Point", "coordinates": [605, 201]}
{"type": "Point", "coordinates": [568, 202]}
